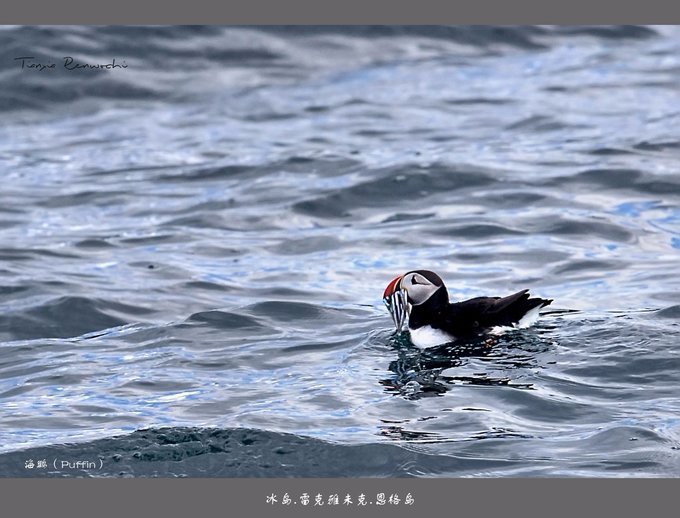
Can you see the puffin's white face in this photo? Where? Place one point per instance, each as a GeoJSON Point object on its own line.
{"type": "Point", "coordinates": [418, 287]}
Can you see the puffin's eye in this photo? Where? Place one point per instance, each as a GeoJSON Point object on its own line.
{"type": "Point", "coordinates": [413, 280]}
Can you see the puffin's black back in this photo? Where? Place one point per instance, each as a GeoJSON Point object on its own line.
{"type": "Point", "coordinates": [473, 316]}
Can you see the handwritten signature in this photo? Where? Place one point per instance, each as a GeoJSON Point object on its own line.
{"type": "Point", "coordinates": [68, 63]}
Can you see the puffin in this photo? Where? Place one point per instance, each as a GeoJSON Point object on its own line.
{"type": "Point", "coordinates": [421, 297]}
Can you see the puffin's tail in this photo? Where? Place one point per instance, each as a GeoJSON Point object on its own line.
{"type": "Point", "coordinates": [518, 309]}
{"type": "Point", "coordinates": [529, 310]}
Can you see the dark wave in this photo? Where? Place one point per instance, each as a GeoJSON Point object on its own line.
{"type": "Point", "coordinates": [226, 320]}
{"type": "Point", "coordinates": [620, 179]}
{"type": "Point", "coordinates": [67, 317]}
{"type": "Point", "coordinates": [672, 312]}
{"type": "Point", "coordinates": [195, 452]}
{"type": "Point", "coordinates": [201, 452]}
{"type": "Point", "coordinates": [391, 185]}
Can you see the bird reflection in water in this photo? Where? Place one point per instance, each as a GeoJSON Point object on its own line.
{"type": "Point", "coordinates": [420, 373]}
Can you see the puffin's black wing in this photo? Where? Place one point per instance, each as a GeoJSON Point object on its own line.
{"type": "Point", "coordinates": [474, 315]}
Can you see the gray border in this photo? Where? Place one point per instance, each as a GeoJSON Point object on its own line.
{"type": "Point", "coordinates": [236, 497]}
{"type": "Point", "coordinates": [347, 11]}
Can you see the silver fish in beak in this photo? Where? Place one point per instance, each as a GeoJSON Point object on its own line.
{"type": "Point", "coordinates": [397, 304]}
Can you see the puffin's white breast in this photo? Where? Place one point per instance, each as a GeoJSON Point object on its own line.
{"type": "Point", "coordinates": [426, 336]}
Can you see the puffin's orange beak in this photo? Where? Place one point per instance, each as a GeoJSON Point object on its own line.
{"type": "Point", "coordinates": [392, 287]}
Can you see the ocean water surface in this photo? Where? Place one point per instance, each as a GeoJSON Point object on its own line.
{"type": "Point", "coordinates": [193, 250]}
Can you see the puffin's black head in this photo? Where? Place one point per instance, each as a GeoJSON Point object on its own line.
{"type": "Point", "coordinates": [419, 286]}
